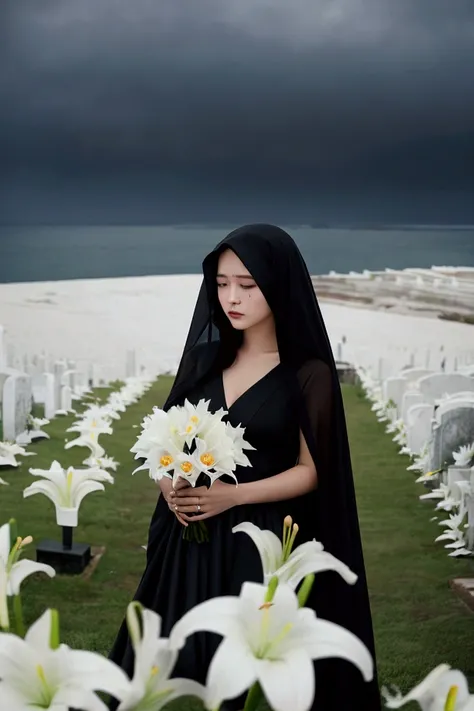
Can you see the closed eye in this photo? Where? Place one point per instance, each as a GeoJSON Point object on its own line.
{"type": "Point", "coordinates": [248, 286]}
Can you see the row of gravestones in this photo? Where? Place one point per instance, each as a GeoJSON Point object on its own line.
{"type": "Point", "coordinates": [384, 365]}
{"type": "Point", "coordinates": [54, 390]}
{"type": "Point", "coordinates": [437, 409]}
{"type": "Point", "coordinates": [19, 391]}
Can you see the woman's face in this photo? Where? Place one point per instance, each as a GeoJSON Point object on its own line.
{"type": "Point", "coordinates": [239, 296]}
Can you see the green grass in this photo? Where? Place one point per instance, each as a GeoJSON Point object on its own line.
{"type": "Point", "coordinates": [418, 620]}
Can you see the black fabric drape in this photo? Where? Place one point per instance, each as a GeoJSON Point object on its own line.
{"type": "Point", "coordinates": [330, 513]}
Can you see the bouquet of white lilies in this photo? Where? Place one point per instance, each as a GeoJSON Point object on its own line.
{"type": "Point", "coordinates": [190, 442]}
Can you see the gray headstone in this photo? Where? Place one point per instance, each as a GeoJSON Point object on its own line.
{"type": "Point", "coordinates": [455, 429]}
{"type": "Point", "coordinates": [16, 405]}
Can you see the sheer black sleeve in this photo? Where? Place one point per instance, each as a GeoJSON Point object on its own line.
{"type": "Point", "coordinates": [315, 381]}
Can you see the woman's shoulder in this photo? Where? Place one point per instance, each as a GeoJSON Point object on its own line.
{"type": "Point", "coordinates": [312, 370]}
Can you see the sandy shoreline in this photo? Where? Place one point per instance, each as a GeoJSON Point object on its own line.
{"type": "Point", "coordinates": [98, 320]}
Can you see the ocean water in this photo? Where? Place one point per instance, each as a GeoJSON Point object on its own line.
{"type": "Point", "coordinates": [77, 252]}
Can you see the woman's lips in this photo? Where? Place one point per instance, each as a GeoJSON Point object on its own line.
{"type": "Point", "coordinates": [234, 314]}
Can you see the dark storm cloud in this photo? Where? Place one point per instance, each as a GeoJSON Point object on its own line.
{"type": "Point", "coordinates": [327, 90]}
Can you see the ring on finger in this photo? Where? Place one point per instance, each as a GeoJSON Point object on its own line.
{"type": "Point", "coordinates": [198, 507]}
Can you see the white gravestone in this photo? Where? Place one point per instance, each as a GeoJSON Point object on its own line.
{"type": "Point", "coordinates": [419, 426]}
{"type": "Point", "coordinates": [410, 397]}
{"type": "Point", "coordinates": [131, 364]}
{"type": "Point", "coordinates": [393, 389]}
{"type": "Point", "coordinates": [59, 369]}
{"type": "Point", "coordinates": [16, 405]}
{"type": "Point", "coordinates": [3, 350]}
{"type": "Point", "coordinates": [435, 386]}
{"type": "Point", "coordinates": [49, 396]}
{"type": "Point", "coordinates": [38, 388]}
{"type": "Point", "coordinates": [66, 398]}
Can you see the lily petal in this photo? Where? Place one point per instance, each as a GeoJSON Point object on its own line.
{"type": "Point", "coordinates": [77, 698]}
{"type": "Point", "coordinates": [95, 672]}
{"type": "Point", "coordinates": [289, 683]}
{"type": "Point", "coordinates": [23, 569]}
{"type": "Point", "coordinates": [268, 545]}
{"type": "Point", "coordinates": [4, 542]}
{"type": "Point", "coordinates": [325, 639]}
{"type": "Point", "coordinates": [231, 672]}
{"type": "Point", "coordinates": [220, 615]}
{"type": "Point", "coordinates": [47, 488]}
{"type": "Point", "coordinates": [86, 487]}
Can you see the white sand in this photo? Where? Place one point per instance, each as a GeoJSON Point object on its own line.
{"type": "Point", "coordinates": [98, 320]}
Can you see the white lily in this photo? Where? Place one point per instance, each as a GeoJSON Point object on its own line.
{"type": "Point", "coordinates": [90, 423]}
{"type": "Point", "coordinates": [39, 673]}
{"type": "Point", "coordinates": [101, 463]}
{"type": "Point", "coordinates": [464, 456]}
{"type": "Point", "coordinates": [101, 412]}
{"type": "Point", "coordinates": [291, 566]}
{"type": "Point", "coordinates": [33, 431]}
{"type": "Point", "coordinates": [444, 689]}
{"type": "Point", "coordinates": [151, 688]}
{"type": "Point", "coordinates": [236, 434]}
{"type": "Point", "coordinates": [9, 451]}
{"type": "Point", "coordinates": [67, 488]}
{"type": "Point", "coordinates": [273, 643]}
{"type": "Point", "coordinates": [14, 571]}
{"type": "Point", "coordinates": [429, 476]}
{"type": "Point", "coordinates": [117, 402]}
{"type": "Point", "coordinates": [89, 440]}
{"type": "Point", "coordinates": [214, 461]}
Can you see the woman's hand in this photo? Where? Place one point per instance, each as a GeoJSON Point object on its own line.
{"type": "Point", "coordinates": [166, 487]}
{"type": "Point", "coordinates": [204, 502]}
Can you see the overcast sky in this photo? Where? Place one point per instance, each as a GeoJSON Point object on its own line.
{"type": "Point", "coordinates": [190, 109]}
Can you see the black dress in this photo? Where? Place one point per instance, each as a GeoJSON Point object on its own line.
{"type": "Point", "coordinates": [180, 574]}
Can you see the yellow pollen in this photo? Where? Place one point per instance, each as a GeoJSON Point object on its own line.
{"type": "Point", "coordinates": [94, 423]}
{"type": "Point", "coordinates": [207, 459]}
{"type": "Point", "coordinates": [186, 467]}
{"type": "Point", "coordinates": [195, 419]}
{"type": "Point", "coordinates": [189, 429]}
{"type": "Point", "coordinates": [154, 670]}
{"type": "Point", "coordinates": [92, 435]}
{"type": "Point", "coordinates": [450, 704]}
{"type": "Point", "coordinates": [266, 606]}
{"type": "Point", "coordinates": [166, 460]}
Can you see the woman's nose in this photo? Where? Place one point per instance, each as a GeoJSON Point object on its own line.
{"type": "Point", "coordinates": [233, 295]}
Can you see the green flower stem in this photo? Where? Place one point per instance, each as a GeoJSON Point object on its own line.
{"type": "Point", "coordinates": [305, 589]}
{"type": "Point", "coordinates": [18, 614]}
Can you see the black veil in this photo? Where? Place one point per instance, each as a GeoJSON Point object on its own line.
{"type": "Point", "coordinates": [330, 513]}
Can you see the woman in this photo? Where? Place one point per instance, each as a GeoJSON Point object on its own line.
{"type": "Point", "coordinates": [258, 347]}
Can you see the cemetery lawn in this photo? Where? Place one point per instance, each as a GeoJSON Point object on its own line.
{"type": "Point", "coordinates": [418, 621]}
